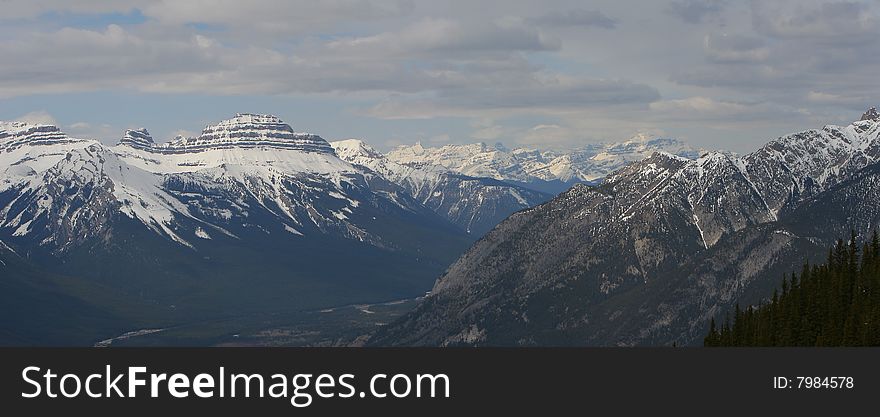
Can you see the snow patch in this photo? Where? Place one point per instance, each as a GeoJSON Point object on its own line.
{"type": "Point", "coordinates": [201, 233]}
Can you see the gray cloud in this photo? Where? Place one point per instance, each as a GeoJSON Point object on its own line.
{"type": "Point", "coordinates": [76, 59]}
{"type": "Point", "coordinates": [433, 37]}
{"type": "Point", "coordinates": [842, 22]}
{"type": "Point", "coordinates": [576, 17]}
{"type": "Point", "coordinates": [535, 95]}
{"type": "Point", "coordinates": [726, 48]}
{"type": "Point", "coordinates": [763, 66]}
{"type": "Point", "coordinates": [27, 9]}
{"type": "Point", "coordinates": [695, 11]}
{"type": "Point", "coordinates": [274, 17]}
{"type": "Point", "coordinates": [808, 54]}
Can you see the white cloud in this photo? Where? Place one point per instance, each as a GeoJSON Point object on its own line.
{"type": "Point", "coordinates": [38, 117]}
{"type": "Point", "coordinates": [183, 132]}
{"type": "Point", "coordinates": [80, 126]}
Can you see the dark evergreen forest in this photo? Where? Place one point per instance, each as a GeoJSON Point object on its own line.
{"type": "Point", "coordinates": [833, 304]}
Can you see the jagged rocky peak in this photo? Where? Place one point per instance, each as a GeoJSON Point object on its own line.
{"type": "Point", "coordinates": [137, 138]}
{"type": "Point", "coordinates": [871, 114]}
{"type": "Point", "coordinates": [15, 134]}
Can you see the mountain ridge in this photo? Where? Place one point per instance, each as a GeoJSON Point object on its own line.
{"type": "Point", "coordinates": [611, 264]}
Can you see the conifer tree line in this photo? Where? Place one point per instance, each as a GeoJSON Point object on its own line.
{"type": "Point", "coordinates": [834, 304]}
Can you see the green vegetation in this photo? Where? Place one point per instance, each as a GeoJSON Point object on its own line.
{"type": "Point", "coordinates": [835, 304]}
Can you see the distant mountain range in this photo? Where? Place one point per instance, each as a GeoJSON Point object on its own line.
{"type": "Point", "coordinates": [658, 248]}
{"type": "Point", "coordinates": [476, 186]}
{"type": "Point", "coordinates": [475, 204]}
{"type": "Point", "coordinates": [248, 217]}
{"type": "Point", "coordinates": [551, 171]}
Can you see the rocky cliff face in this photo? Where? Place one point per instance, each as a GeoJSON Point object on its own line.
{"type": "Point", "coordinates": [243, 131]}
{"type": "Point", "coordinates": [137, 138]}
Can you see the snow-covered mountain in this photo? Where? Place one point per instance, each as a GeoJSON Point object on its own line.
{"type": "Point", "coordinates": [589, 163]}
{"type": "Point", "coordinates": [474, 204]}
{"type": "Point", "coordinates": [658, 248]}
{"type": "Point", "coordinates": [295, 176]}
{"type": "Point", "coordinates": [247, 215]}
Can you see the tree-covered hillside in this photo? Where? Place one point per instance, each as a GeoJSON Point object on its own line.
{"type": "Point", "coordinates": [835, 304]}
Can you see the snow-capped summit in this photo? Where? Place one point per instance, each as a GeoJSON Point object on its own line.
{"type": "Point", "coordinates": [349, 149]}
{"type": "Point", "coordinates": [251, 171]}
{"type": "Point", "coordinates": [871, 114]}
{"type": "Point", "coordinates": [246, 140]}
{"type": "Point", "coordinates": [476, 160]}
{"type": "Point", "coordinates": [137, 138]}
{"type": "Point", "coordinates": [411, 177]}
{"type": "Point", "coordinates": [245, 130]}
{"type": "Point", "coordinates": [252, 130]}
{"type": "Point", "coordinates": [15, 134]}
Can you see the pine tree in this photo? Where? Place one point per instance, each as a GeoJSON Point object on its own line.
{"type": "Point", "coordinates": [711, 338]}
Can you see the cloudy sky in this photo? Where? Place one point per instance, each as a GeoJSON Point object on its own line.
{"type": "Point", "coordinates": [727, 74]}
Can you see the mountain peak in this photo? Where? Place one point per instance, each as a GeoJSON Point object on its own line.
{"type": "Point", "coordinates": [245, 118]}
{"type": "Point", "coordinates": [15, 134]}
{"type": "Point", "coordinates": [871, 114]}
{"type": "Point", "coordinates": [641, 137]}
{"type": "Point", "coordinates": [246, 122]}
{"type": "Point", "coordinates": [350, 148]}
{"type": "Point", "coordinates": [245, 130]}
{"type": "Point", "coordinates": [253, 130]}
{"type": "Point", "coordinates": [137, 138]}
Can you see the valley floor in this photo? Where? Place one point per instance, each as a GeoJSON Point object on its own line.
{"type": "Point", "coordinates": [336, 326]}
